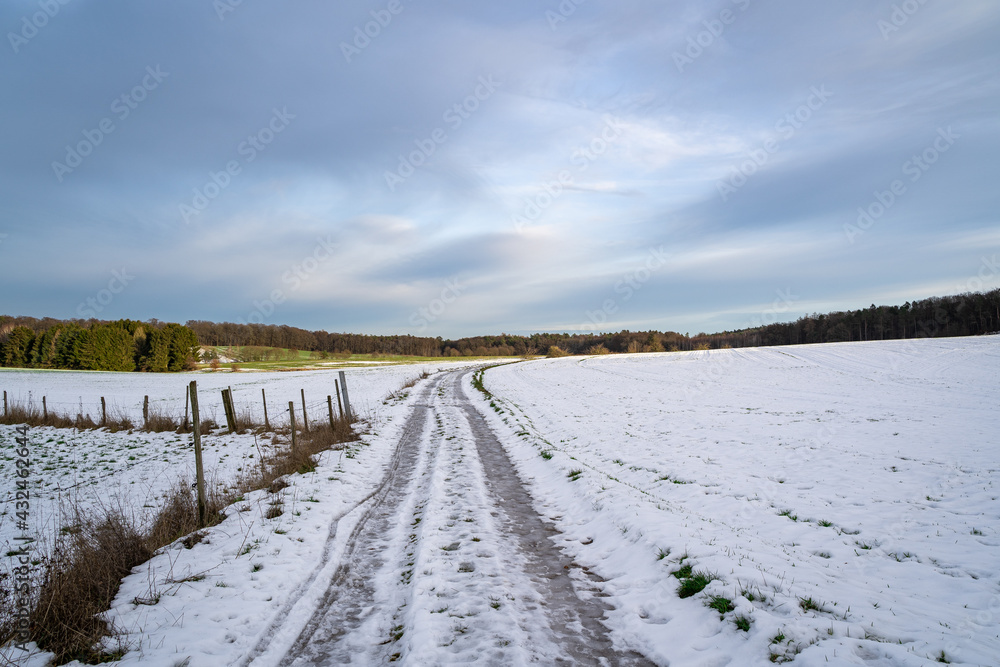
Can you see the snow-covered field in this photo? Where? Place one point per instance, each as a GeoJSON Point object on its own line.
{"type": "Point", "coordinates": [73, 392]}
{"type": "Point", "coordinates": [135, 470]}
{"type": "Point", "coordinates": [845, 498]}
{"type": "Point", "coordinates": [842, 498]}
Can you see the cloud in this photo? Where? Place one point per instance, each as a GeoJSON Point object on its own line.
{"type": "Point", "coordinates": [597, 96]}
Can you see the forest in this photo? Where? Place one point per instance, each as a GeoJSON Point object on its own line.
{"type": "Point", "coordinates": [124, 345]}
{"type": "Point", "coordinates": [962, 315]}
{"type": "Point", "coordinates": [155, 346]}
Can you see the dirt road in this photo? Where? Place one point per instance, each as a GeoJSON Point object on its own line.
{"type": "Point", "coordinates": [450, 562]}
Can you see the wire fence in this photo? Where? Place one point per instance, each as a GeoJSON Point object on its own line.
{"type": "Point", "coordinates": [261, 411]}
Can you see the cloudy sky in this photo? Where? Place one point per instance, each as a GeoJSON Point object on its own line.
{"type": "Point", "coordinates": [440, 167]}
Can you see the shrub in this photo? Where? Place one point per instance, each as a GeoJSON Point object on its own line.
{"type": "Point", "coordinates": [80, 583]}
{"type": "Point", "coordinates": [555, 351]}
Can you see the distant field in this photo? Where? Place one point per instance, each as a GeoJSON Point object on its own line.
{"type": "Point", "coordinates": [276, 359]}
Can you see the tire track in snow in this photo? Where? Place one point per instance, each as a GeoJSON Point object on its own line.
{"type": "Point", "coordinates": [287, 625]}
{"type": "Point", "coordinates": [452, 564]}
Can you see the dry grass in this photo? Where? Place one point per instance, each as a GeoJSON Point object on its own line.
{"type": "Point", "coordinates": [83, 576]}
{"type": "Point", "coordinates": [118, 420]}
{"type": "Point", "coordinates": [273, 467]}
{"type": "Point", "coordinates": [179, 515]}
{"type": "Point", "coordinates": [160, 421]}
{"type": "Point", "coordinates": [81, 580]}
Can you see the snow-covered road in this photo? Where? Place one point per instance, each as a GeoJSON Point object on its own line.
{"type": "Point", "coordinates": [450, 563]}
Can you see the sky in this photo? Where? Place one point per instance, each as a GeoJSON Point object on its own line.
{"type": "Point", "coordinates": [447, 168]}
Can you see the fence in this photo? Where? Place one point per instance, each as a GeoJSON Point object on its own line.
{"type": "Point", "coordinates": [238, 412]}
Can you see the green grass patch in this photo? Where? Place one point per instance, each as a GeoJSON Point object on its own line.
{"type": "Point", "coordinates": [694, 584]}
{"type": "Point", "coordinates": [721, 604]}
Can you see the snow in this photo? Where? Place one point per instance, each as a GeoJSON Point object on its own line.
{"type": "Point", "coordinates": [135, 470]}
{"type": "Point", "coordinates": [861, 477]}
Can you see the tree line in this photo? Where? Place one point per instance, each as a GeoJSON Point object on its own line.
{"type": "Point", "coordinates": [962, 315]}
{"type": "Point", "coordinates": [155, 346]}
{"type": "Point", "coordinates": [124, 345]}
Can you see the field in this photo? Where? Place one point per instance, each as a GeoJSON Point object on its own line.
{"type": "Point", "coordinates": [818, 505]}
{"type": "Point", "coordinates": [132, 470]}
{"type": "Point", "coordinates": [283, 359]}
{"type": "Point", "coordinates": [843, 498]}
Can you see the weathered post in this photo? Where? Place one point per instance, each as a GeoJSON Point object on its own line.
{"type": "Point", "coordinates": [267, 424]}
{"type": "Point", "coordinates": [329, 407]}
{"type": "Point", "coordinates": [340, 406]}
{"type": "Point", "coordinates": [145, 412]}
{"type": "Point", "coordinates": [347, 401]}
{"type": "Point", "coordinates": [104, 412]}
{"type": "Point", "coordinates": [305, 417]}
{"type": "Point", "coordinates": [187, 400]}
{"type": "Point", "coordinates": [227, 406]}
{"type": "Point", "coordinates": [5, 413]}
{"type": "Point", "coordinates": [291, 417]}
{"type": "Point", "coordinates": [45, 410]}
{"type": "Point", "coordinates": [199, 470]}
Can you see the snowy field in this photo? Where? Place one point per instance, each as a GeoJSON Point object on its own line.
{"type": "Point", "coordinates": [73, 392]}
{"type": "Point", "coordinates": [842, 500]}
{"type": "Point", "coordinates": [134, 470]}
{"type": "Point", "coordinates": [843, 497]}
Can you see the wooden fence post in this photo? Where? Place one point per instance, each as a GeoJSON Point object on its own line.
{"type": "Point", "coordinates": [227, 406]}
{"type": "Point", "coordinates": [329, 407]}
{"type": "Point", "coordinates": [45, 410]}
{"type": "Point", "coordinates": [199, 470]}
{"type": "Point", "coordinates": [291, 416]}
{"type": "Point", "coordinates": [340, 406]}
{"type": "Point", "coordinates": [104, 412]}
{"type": "Point", "coordinates": [5, 413]}
{"type": "Point", "coordinates": [305, 417]}
{"type": "Point", "coordinates": [145, 412]}
{"type": "Point", "coordinates": [347, 400]}
{"type": "Point", "coordinates": [187, 400]}
{"type": "Point", "coordinates": [267, 424]}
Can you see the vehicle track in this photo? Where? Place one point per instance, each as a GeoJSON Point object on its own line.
{"type": "Point", "coordinates": [451, 563]}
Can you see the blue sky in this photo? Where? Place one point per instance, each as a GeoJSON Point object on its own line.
{"type": "Point", "coordinates": [436, 167]}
